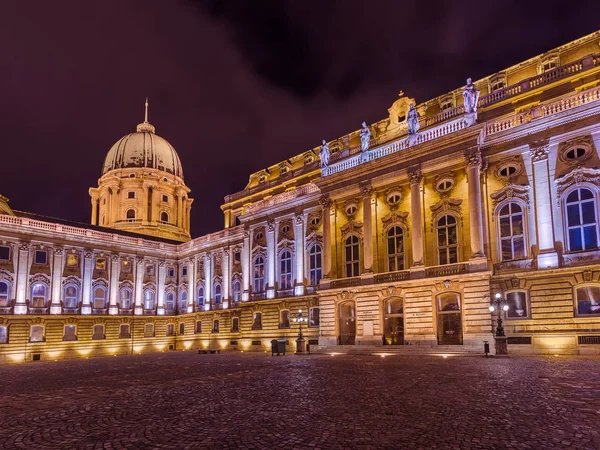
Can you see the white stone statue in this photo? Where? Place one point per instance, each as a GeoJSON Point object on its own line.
{"type": "Point", "coordinates": [365, 137]}
{"type": "Point", "coordinates": [412, 119]}
{"type": "Point", "coordinates": [471, 97]}
{"type": "Point", "coordinates": [325, 154]}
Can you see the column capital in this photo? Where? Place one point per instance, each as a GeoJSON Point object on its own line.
{"type": "Point", "coordinates": [271, 226]}
{"type": "Point", "coordinates": [58, 250]}
{"type": "Point", "coordinates": [325, 201]}
{"type": "Point", "coordinates": [366, 188]}
{"type": "Point", "coordinates": [539, 151]}
{"type": "Point", "coordinates": [299, 218]}
{"type": "Point", "coordinates": [24, 246]}
{"type": "Point", "coordinates": [415, 176]}
{"type": "Point", "coordinates": [473, 159]}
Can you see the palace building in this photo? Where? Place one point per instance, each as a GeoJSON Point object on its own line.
{"type": "Point", "coordinates": [402, 234]}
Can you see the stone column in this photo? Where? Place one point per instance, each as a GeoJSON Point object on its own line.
{"type": "Point", "coordinates": [113, 308]}
{"type": "Point", "coordinates": [326, 219]}
{"type": "Point", "coordinates": [191, 284]}
{"type": "Point", "coordinates": [155, 204]}
{"type": "Point", "coordinates": [139, 282]}
{"type": "Point", "coordinates": [300, 250]}
{"type": "Point", "coordinates": [57, 264]}
{"type": "Point", "coordinates": [226, 271]}
{"type": "Point", "coordinates": [22, 278]}
{"type": "Point", "coordinates": [366, 191]}
{"type": "Point", "coordinates": [114, 210]}
{"type": "Point", "coordinates": [108, 208]}
{"type": "Point", "coordinates": [271, 258]}
{"type": "Point", "coordinates": [246, 266]}
{"type": "Point", "coordinates": [416, 215]}
{"type": "Point", "coordinates": [547, 256]}
{"type": "Point", "coordinates": [94, 211]}
{"type": "Point", "coordinates": [473, 163]}
{"type": "Point", "coordinates": [207, 282]}
{"type": "Point", "coordinates": [161, 277]}
{"type": "Point", "coordinates": [86, 285]}
{"type": "Point", "coordinates": [179, 208]}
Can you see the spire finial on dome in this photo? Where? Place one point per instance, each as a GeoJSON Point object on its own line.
{"type": "Point", "coordinates": [145, 127]}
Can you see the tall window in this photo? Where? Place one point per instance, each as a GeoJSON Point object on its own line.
{"type": "Point", "coordinates": [183, 302]}
{"type": "Point", "coordinates": [125, 296]}
{"type": "Point", "coordinates": [170, 302]}
{"type": "Point", "coordinates": [237, 291]}
{"type": "Point", "coordinates": [259, 274]}
{"type": "Point", "coordinates": [313, 317]}
{"type": "Point", "coordinates": [4, 294]}
{"type": "Point", "coordinates": [235, 324]}
{"type": "Point", "coordinates": [315, 271]}
{"type": "Point", "coordinates": [99, 298]}
{"type": "Point", "coordinates": [284, 318]}
{"type": "Point", "coordinates": [4, 335]}
{"type": "Point", "coordinates": [218, 295]}
{"type": "Point", "coordinates": [395, 248]}
{"type": "Point", "coordinates": [215, 326]}
{"type": "Point", "coordinates": [257, 321]}
{"type": "Point", "coordinates": [285, 270]}
{"type": "Point", "coordinates": [352, 256]}
{"type": "Point", "coordinates": [582, 222]}
{"type": "Point", "coordinates": [447, 240]}
{"type": "Point", "coordinates": [512, 232]}
{"type": "Point", "coordinates": [39, 291]}
{"type": "Point", "coordinates": [148, 299]}
{"type": "Point", "coordinates": [70, 296]}
{"type": "Point", "coordinates": [200, 300]}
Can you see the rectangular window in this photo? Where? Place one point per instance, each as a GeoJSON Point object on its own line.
{"type": "Point", "coordinates": [131, 194]}
{"type": "Point", "coordinates": [257, 321]}
{"type": "Point", "coordinates": [98, 332]}
{"type": "Point", "coordinates": [149, 330]}
{"type": "Point", "coordinates": [284, 318]}
{"type": "Point", "coordinates": [517, 305]}
{"type": "Point", "coordinates": [171, 272]}
{"type": "Point", "coordinates": [37, 333]}
{"type": "Point", "coordinates": [41, 257]}
{"type": "Point", "coordinates": [124, 331]}
{"type": "Point", "coordinates": [184, 271]}
{"type": "Point", "coordinates": [313, 317]}
{"type": "Point", "coordinates": [72, 260]}
{"type": "Point", "coordinates": [150, 270]}
{"type": "Point", "coordinates": [170, 329]}
{"type": "Point", "coordinates": [126, 266]}
{"type": "Point", "coordinates": [101, 264]}
{"type": "Point", "coordinates": [235, 324]}
{"type": "Point", "coordinates": [215, 326]}
{"type": "Point", "coordinates": [165, 198]}
{"type": "Point", "coordinates": [198, 326]}
{"type": "Point", "coordinates": [588, 300]}
{"type": "Point", "coordinates": [237, 257]}
{"type": "Point", "coordinates": [4, 253]}
{"type": "Point", "coordinates": [70, 333]}
{"type": "Point", "coordinates": [181, 329]}
{"type": "Point", "coordinates": [3, 335]}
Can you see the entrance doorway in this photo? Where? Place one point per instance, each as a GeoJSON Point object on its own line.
{"type": "Point", "coordinates": [347, 323]}
{"type": "Point", "coordinates": [393, 321]}
{"type": "Point", "coordinates": [449, 319]}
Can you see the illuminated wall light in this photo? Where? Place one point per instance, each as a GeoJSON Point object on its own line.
{"type": "Point", "coordinates": [223, 343]}
{"type": "Point", "coordinates": [17, 357]}
{"type": "Point", "coordinates": [187, 345]}
{"type": "Point", "coordinates": [84, 351]}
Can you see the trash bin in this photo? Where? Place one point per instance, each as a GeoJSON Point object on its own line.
{"type": "Point", "coordinates": [278, 346]}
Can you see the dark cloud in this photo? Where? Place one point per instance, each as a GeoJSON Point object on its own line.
{"type": "Point", "coordinates": [234, 85]}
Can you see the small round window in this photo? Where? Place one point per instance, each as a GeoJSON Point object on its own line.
{"type": "Point", "coordinates": [575, 153]}
{"type": "Point", "coordinates": [351, 209]}
{"type": "Point", "coordinates": [132, 175]}
{"type": "Point", "coordinates": [508, 171]}
{"type": "Point", "coordinates": [444, 185]}
{"type": "Point", "coordinates": [259, 236]}
{"type": "Point", "coordinates": [394, 198]}
{"type": "Point", "coordinates": [285, 229]}
{"type": "Point", "coordinates": [316, 221]}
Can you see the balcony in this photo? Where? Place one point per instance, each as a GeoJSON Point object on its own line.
{"type": "Point", "coordinates": [446, 270]}
{"type": "Point", "coordinates": [390, 277]}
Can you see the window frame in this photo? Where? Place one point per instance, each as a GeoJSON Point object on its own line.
{"type": "Point", "coordinates": [8, 289]}
{"type": "Point", "coordinates": [103, 334]}
{"type": "Point", "coordinates": [104, 297]}
{"type": "Point", "coordinates": [127, 215]}
{"type": "Point", "coordinates": [198, 296]}
{"type": "Point", "coordinates": [282, 324]}
{"type": "Point", "coordinates": [236, 294]}
{"type": "Point", "coordinates": [121, 290]}
{"type": "Point", "coordinates": [310, 317]}
{"type": "Point", "coordinates": [182, 299]}
{"type": "Point", "coordinates": [499, 238]}
{"type": "Point", "coordinates": [235, 329]}
{"type": "Point", "coordinates": [447, 247]}
{"type": "Point", "coordinates": [217, 293]}
{"type": "Point", "coordinates": [46, 289]}
{"type": "Point", "coordinates": [351, 263]}
{"type": "Point", "coordinates": [42, 327]}
{"type": "Point", "coordinates": [9, 249]}
{"type": "Point", "coordinates": [527, 304]}
{"type": "Point", "coordinates": [255, 315]}
{"type": "Point", "coordinates": [40, 252]}
{"type": "Point", "coordinates": [144, 299]}
{"type": "Point", "coordinates": [164, 214]}
{"type": "Point", "coordinates": [286, 279]}
{"type": "Point", "coordinates": [170, 298]}
{"type": "Point", "coordinates": [261, 280]}
{"type": "Point", "coordinates": [65, 297]}
{"type": "Point", "coordinates": [395, 255]}
{"type": "Point", "coordinates": [5, 339]}
{"type": "Point", "coordinates": [564, 212]}
{"type": "Point", "coordinates": [313, 270]}
{"type": "Point", "coordinates": [576, 299]}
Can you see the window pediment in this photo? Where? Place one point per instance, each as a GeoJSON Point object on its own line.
{"type": "Point", "coordinates": [576, 177]}
{"type": "Point", "coordinates": [447, 205]}
{"type": "Point", "coordinates": [509, 192]}
{"type": "Point", "coordinates": [398, 217]}
{"type": "Point", "coordinates": [352, 227]}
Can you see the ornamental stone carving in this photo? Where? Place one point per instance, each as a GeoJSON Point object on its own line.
{"type": "Point", "coordinates": [114, 257]}
{"type": "Point", "coordinates": [415, 176]}
{"type": "Point", "coordinates": [325, 154]}
{"type": "Point", "coordinates": [470, 97]}
{"type": "Point", "coordinates": [396, 217]}
{"type": "Point", "coordinates": [24, 246]}
{"type": "Point", "coordinates": [365, 137]}
{"type": "Point", "coordinates": [539, 152]}
{"type": "Point", "coordinates": [510, 192]}
{"type": "Point", "coordinates": [58, 250]}
{"type": "Point", "coordinates": [366, 189]}
{"type": "Point", "coordinates": [412, 120]}
{"type": "Point", "coordinates": [325, 201]}
{"type": "Point", "coordinates": [473, 159]}
{"type": "Point", "coordinates": [576, 176]}
{"type": "Point", "coordinates": [271, 226]}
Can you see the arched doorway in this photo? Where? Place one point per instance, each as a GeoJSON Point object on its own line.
{"type": "Point", "coordinates": [347, 323]}
{"type": "Point", "coordinates": [449, 319]}
{"type": "Point", "coordinates": [393, 321]}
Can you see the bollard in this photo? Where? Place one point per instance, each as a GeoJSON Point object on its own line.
{"type": "Point", "coordinates": [486, 348]}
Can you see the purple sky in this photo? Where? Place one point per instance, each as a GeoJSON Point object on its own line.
{"type": "Point", "coordinates": [235, 86]}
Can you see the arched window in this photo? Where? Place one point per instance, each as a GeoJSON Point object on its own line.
{"type": "Point", "coordinates": [512, 231]}
{"type": "Point", "coordinates": [125, 297]}
{"type": "Point", "coordinates": [315, 271]}
{"type": "Point", "coordinates": [447, 233]}
{"type": "Point", "coordinates": [285, 270]}
{"type": "Point", "coordinates": [259, 274]}
{"type": "Point", "coordinates": [183, 302]}
{"type": "Point", "coordinates": [582, 220]}
{"type": "Point", "coordinates": [237, 290]}
{"type": "Point", "coordinates": [170, 302]}
{"type": "Point", "coordinates": [70, 296]}
{"type": "Point", "coordinates": [4, 294]}
{"type": "Point", "coordinates": [200, 300]}
{"type": "Point", "coordinates": [148, 299]}
{"type": "Point", "coordinates": [218, 293]}
{"type": "Point", "coordinates": [130, 214]}
{"type": "Point", "coordinates": [164, 217]}
{"type": "Point", "coordinates": [99, 298]}
{"type": "Point", "coordinates": [352, 256]}
{"type": "Point", "coordinates": [39, 292]}
{"type": "Point", "coordinates": [395, 248]}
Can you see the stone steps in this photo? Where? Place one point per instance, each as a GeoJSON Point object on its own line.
{"type": "Point", "coordinates": [407, 350]}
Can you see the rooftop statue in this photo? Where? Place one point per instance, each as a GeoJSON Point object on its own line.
{"type": "Point", "coordinates": [471, 97]}
{"type": "Point", "coordinates": [412, 119]}
{"type": "Point", "coordinates": [325, 154]}
{"type": "Point", "coordinates": [365, 137]}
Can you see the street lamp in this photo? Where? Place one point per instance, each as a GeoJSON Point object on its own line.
{"type": "Point", "coordinates": [300, 340]}
{"type": "Point", "coordinates": [499, 304]}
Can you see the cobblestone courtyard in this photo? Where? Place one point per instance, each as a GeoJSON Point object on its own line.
{"type": "Point", "coordinates": [185, 400]}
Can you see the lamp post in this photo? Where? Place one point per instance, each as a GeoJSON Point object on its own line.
{"type": "Point", "coordinates": [300, 341]}
{"type": "Point", "coordinates": [499, 304]}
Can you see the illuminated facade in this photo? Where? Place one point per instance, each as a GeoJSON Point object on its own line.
{"type": "Point", "coordinates": [400, 233]}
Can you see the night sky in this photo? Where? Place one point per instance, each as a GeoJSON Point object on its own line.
{"type": "Point", "coordinates": [234, 86]}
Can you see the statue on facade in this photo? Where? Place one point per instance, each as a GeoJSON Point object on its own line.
{"type": "Point", "coordinates": [365, 137]}
{"type": "Point", "coordinates": [412, 119]}
{"type": "Point", "coordinates": [471, 97]}
{"type": "Point", "coordinates": [325, 154]}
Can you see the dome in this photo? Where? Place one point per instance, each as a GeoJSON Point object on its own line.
{"type": "Point", "coordinates": [142, 149]}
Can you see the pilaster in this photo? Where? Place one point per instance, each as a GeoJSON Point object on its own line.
{"type": "Point", "coordinates": [86, 285]}
{"type": "Point", "coordinates": [271, 258]}
{"type": "Point", "coordinates": [416, 214]}
{"type": "Point", "coordinates": [299, 250]}
{"type": "Point", "coordinates": [366, 191]}
{"type": "Point", "coordinates": [55, 307]}
{"type": "Point", "coordinates": [139, 280]}
{"type": "Point", "coordinates": [246, 266]}
{"type": "Point", "coordinates": [115, 263]}
{"type": "Point", "coordinates": [473, 163]}
{"type": "Point", "coordinates": [22, 278]}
